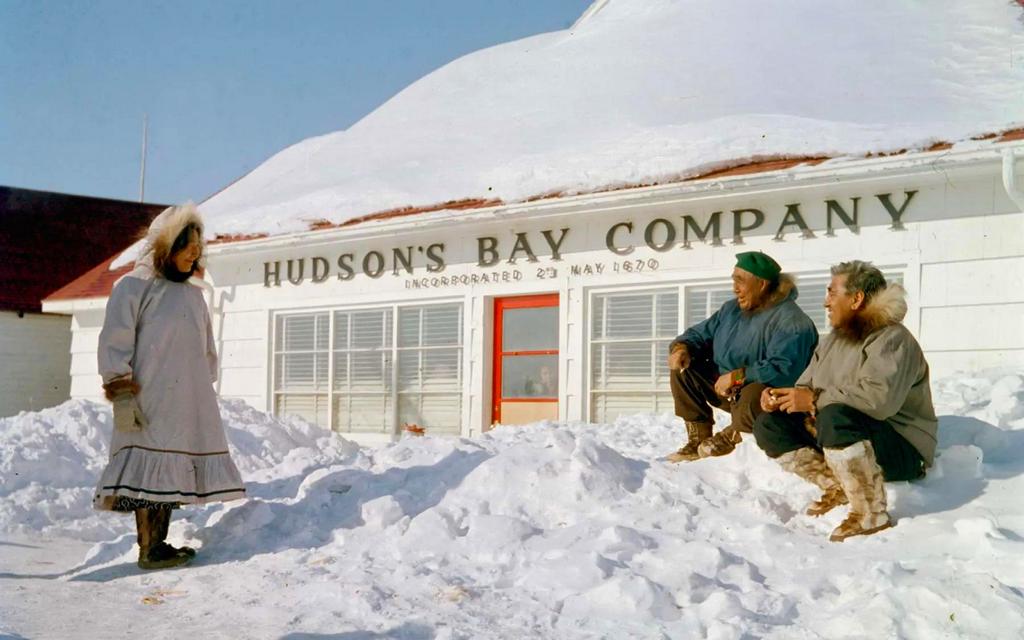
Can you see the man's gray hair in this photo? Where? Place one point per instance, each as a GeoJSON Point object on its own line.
{"type": "Point", "coordinates": [860, 276]}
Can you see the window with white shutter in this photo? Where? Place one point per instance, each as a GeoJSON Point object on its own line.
{"type": "Point", "coordinates": [430, 367]}
{"type": "Point", "coordinates": [301, 353]}
{"type": "Point", "coordinates": [702, 302]}
{"type": "Point", "coordinates": [337, 368]}
{"type": "Point", "coordinates": [362, 398]}
{"type": "Point", "coordinates": [629, 338]}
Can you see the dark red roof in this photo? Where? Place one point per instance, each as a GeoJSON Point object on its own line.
{"type": "Point", "coordinates": [49, 239]}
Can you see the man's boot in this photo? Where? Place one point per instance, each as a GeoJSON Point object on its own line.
{"type": "Point", "coordinates": [721, 444]}
{"type": "Point", "coordinates": [154, 553]}
{"type": "Point", "coordinates": [161, 524]}
{"type": "Point", "coordinates": [857, 470]}
{"type": "Point", "coordinates": [810, 465]}
{"type": "Point", "coordinates": [696, 432]}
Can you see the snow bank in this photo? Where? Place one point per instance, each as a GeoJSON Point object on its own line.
{"type": "Point", "coordinates": [51, 459]}
{"type": "Point", "coordinates": [647, 90]}
{"type": "Point", "coordinates": [575, 530]}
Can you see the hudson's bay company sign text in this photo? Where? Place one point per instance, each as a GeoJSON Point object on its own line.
{"type": "Point", "coordinates": [621, 239]}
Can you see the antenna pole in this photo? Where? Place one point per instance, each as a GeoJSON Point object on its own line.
{"type": "Point", "coordinates": [142, 173]}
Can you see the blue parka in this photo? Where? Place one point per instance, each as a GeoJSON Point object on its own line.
{"type": "Point", "coordinates": [774, 344]}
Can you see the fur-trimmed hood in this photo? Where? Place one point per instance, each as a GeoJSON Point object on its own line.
{"type": "Point", "coordinates": [160, 238]}
{"type": "Point", "coordinates": [785, 289]}
{"type": "Point", "coordinates": [885, 308]}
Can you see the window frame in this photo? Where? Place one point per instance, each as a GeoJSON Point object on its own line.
{"type": "Point", "coordinates": [591, 393]}
{"type": "Point", "coordinates": [390, 355]}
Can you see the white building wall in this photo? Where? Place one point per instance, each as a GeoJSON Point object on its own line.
{"type": "Point", "coordinates": [960, 253]}
{"type": "Point", "coordinates": [35, 361]}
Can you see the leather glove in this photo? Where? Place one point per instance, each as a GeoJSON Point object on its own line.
{"type": "Point", "coordinates": [128, 416]}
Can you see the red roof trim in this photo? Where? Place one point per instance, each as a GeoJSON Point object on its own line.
{"type": "Point", "coordinates": [225, 238]}
{"type": "Point", "coordinates": [95, 283]}
{"type": "Point", "coordinates": [451, 205]}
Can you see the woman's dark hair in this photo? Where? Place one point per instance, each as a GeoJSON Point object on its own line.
{"type": "Point", "coordinates": [165, 263]}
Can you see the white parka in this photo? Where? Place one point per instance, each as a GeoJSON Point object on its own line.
{"type": "Point", "coordinates": [158, 332]}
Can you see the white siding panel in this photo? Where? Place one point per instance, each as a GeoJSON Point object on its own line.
{"type": "Point", "coordinates": [983, 327]}
{"type": "Point", "coordinates": [241, 382]}
{"type": "Point", "coordinates": [997, 236]}
{"type": "Point", "coordinates": [243, 354]}
{"type": "Point", "coordinates": [971, 197]}
{"type": "Point", "coordinates": [973, 282]}
{"type": "Point", "coordinates": [85, 342]}
{"type": "Point", "coordinates": [84, 364]}
{"type": "Point", "coordinates": [87, 388]}
{"type": "Point", "coordinates": [87, 319]}
{"type": "Point", "coordinates": [34, 361]}
{"type": "Point", "coordinates": [243, 325]}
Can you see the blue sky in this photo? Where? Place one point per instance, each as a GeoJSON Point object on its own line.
{"type": "Point", "coordinates": [225, 83]}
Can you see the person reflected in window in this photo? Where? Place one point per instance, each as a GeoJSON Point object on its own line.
{"type": "Point", "coordinates": [545, 385]}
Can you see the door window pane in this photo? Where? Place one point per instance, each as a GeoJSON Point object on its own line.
{"type": "Point", "coordinates": [531, 329]}
{"type": "Point", "coordinates": [529, 376]}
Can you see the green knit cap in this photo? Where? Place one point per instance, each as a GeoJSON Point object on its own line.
{"type": "Point", "coordinates": [759, 264]}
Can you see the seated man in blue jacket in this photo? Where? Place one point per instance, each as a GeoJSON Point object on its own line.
{"type": "Point", "coordinates": [759, 339]}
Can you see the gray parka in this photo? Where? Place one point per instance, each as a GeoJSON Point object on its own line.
{"type": "Point", "coordinates": [877, 367]}
{"type": "Point", "coordinates": [157, 333]}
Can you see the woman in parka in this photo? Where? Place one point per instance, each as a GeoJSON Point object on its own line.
{"type": "Point", "coordinates": [158, 363]}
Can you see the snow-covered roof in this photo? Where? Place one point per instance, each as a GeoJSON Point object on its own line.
{"type": "Point", "coordinates": [640, 91]}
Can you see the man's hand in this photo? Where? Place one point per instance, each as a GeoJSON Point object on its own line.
{"type": "Point", "coordinates": [795, 399]}
{"type": "Point", "coordinates": [678, 357]}
{"type": "Point", "coordinates": [724, 384]}
{"type": "Point", "coordinates": [768, 401]}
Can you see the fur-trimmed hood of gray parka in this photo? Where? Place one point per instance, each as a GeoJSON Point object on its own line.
{"type": "Point", "coordinates": [160, 236]}
{"type": "Point", "coordinates": [876, 366]}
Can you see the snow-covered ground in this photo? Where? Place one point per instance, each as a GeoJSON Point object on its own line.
{"type": "Point", "coordinates": [546, 531]}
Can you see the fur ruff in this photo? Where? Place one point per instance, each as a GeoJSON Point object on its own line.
{"type": "Point", "coordinates": [119, 386]}
{"type": "Point", "coordinates": [886, 308]}
{"type": "Point", "coordinates": [160, 238]}
{"type": "Point", "coordinates": [786, 285]}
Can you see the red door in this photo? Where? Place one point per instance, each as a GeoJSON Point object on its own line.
{"type": "Point", "coordinates": [525, 359]}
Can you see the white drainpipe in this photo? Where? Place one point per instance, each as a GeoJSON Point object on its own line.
{"type": "Point", "coordinates": [1010, 178]}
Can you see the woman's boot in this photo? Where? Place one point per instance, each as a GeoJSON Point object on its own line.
{"type": "Point", "coordinates": [153, 552]}
{"type": "Point", "coordinates": [162, 522]}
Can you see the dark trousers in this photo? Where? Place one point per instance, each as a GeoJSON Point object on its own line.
{"type": "Point", "coordinates": [838, 426]}
{"type": "Point", "coordinates": [693, 391]}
